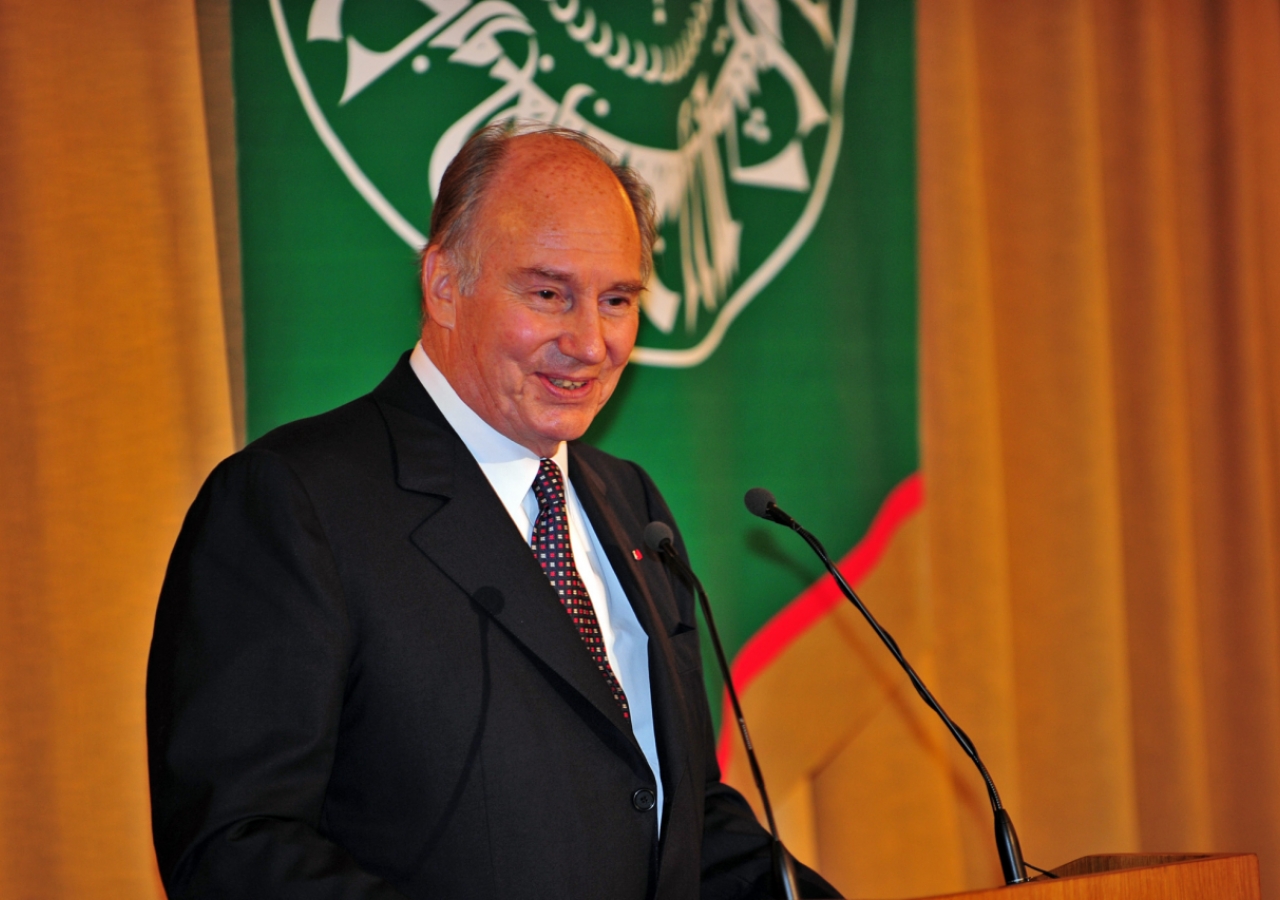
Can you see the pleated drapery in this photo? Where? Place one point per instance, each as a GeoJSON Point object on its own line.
{"type": "Point", "coordinates": [114, 404]}
{"type": "Point", "coordinates": [1092, 586]}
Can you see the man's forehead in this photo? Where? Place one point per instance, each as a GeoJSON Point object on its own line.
{"type": "Point", "coordinates": [544, 166]}
{"type": "Point", "coordinates": [549, 184]}
{"type": "Point", "coordinates": [532, 148]}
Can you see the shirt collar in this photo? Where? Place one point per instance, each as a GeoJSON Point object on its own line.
{"type": "Point", "coordinates": [510, 467]}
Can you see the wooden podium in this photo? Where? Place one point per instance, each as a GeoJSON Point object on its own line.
{"type": "Point", "coordinates": [1139, 876]}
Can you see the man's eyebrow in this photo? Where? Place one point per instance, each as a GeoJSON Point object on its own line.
{"type": "Point", "coordinates": [544, 272]}
{"type": "Point", "coordinates": [529, 272]}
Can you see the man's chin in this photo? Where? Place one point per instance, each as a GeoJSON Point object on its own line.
{"type": "Point", "coordinates": [556, 432]}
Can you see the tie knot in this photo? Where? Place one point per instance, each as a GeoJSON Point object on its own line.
{"type": "Point", "coordinates": [548, 487]}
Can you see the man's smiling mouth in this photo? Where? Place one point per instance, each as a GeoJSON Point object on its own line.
{"type": "Point", "coordinates": [565, 384]}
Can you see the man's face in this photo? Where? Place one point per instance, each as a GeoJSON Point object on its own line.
{"type": "Point", "coordinates": [538, 345]}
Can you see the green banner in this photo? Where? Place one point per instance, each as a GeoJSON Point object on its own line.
{"type": "Point", "coordinates": [778, 341]}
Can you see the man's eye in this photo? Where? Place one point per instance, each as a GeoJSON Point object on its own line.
{"type": "Point", "coordinates": [617, 302]}
{"type": "Point", "coordinates": [546, 294]}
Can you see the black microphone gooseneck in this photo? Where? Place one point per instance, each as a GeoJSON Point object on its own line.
{"type": "Point", "coordinates": [760, 502]}
{"type": "Point", "coordinates": [659, 538]}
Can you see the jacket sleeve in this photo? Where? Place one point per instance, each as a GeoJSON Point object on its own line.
{"type": "Point", "coordinates": [245, 686]}
{"type": "Point", "coordinates": [736, 848]}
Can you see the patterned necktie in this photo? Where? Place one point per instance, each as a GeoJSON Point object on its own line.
{"type": "Point", "coordinates": [555, 554]}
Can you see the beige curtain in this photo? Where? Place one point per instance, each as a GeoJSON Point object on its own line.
{"type": "Point", "coordinates": [114, 403]}
{"type": "Point", "coordinates": [1093, 586]}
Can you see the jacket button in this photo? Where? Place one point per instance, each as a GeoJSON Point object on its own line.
{"type": "Point", "coordinates": [643, 800]}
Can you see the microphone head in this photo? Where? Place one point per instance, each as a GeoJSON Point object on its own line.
{"type": "Point", "coordinates": [656, 534]}
{"type": "Point", "coordinates": [758, 501]}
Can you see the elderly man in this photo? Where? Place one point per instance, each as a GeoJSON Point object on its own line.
{"type": "Point", "coordinates": [414, 648]}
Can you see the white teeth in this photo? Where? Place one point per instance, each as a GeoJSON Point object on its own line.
{"type": "Point", "coordinates": [567, 385]}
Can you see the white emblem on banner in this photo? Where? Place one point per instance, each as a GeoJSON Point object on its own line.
{"type": "Point", "coordinates": [718, 115]}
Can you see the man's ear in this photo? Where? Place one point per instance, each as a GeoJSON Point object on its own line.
{"type": "Point", "coordinates": [439, 288]}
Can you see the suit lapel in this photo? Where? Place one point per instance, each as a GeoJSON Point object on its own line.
{"type": "Point", "coordinates": [649, 592]}
{"type": "Point", "coordinates": [471, 538]}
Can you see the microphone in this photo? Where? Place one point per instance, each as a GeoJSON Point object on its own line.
{"type": "Point", "coordinates": [761, 502]}
{"type": "Point", "coordinates": [659, 538]}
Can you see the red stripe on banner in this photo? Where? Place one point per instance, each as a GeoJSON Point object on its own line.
{"type": "Point", "coordinates": [802, 613]}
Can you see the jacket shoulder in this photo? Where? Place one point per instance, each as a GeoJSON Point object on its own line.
{"type": "Point", "coordinates": [355, 430]}
{"type": "Point", "coordinates": [346, 428]}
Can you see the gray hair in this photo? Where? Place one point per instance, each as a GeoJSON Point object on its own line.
{"type": "Point", "coordinates": [468, 176]}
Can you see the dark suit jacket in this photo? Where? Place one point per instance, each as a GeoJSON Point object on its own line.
{"type": "Point", "coordinates": [361, 684]}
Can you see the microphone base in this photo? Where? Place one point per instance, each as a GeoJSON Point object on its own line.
{"type": "Point", "coordinates": [1011, 864]}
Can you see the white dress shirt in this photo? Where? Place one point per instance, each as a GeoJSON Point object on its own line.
{"type": "Point", "coordinates": [511, 469]}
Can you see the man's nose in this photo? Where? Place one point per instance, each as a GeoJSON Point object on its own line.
{"type": "Point", "coordinates": [583, 337]}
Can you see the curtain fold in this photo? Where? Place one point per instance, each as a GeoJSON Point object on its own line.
{"type": "Point", "coordinates": [1096, 594]}
{"type": "Point", "coordinates": [115, 404]}
{"type": "Point", "coordinates": [1093, 587]}
{"type": "Point", "coordinates": [1115, 167]}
